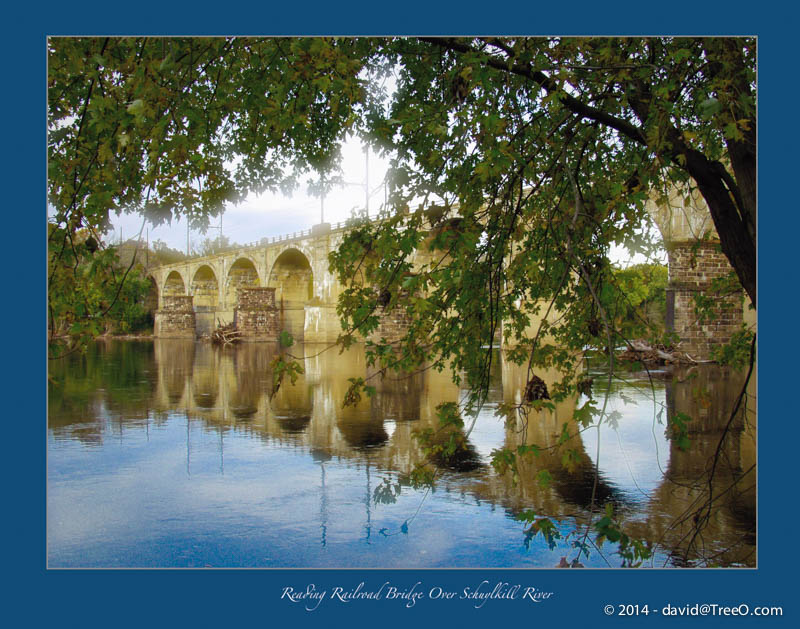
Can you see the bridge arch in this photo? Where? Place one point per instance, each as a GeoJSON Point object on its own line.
{"type": "Point", "coordinates": [150, 301]}
{"type": "Point", "coordinates": [242, 273]}
{"type": "Point", "coordinates": [205, 288]}
{"type": "Point", "coordinates": [292, 276]}
{"type": "Point", "coordinates": [174, 284]}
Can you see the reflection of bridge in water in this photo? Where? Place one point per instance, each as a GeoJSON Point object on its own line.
{"type": "Point", "coordinates": [229, 390]}
{"type": "Point", "coordinates": [221, 391]}
{"type": "Point", "coordinates": [306, 291]}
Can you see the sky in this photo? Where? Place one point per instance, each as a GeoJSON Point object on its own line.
{"type": "Point", "coordinates": [274, 214]}
{"type": "Point", "coordinates": [267, 215]}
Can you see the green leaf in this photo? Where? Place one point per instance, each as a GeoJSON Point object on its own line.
{"type": "Point", "coordinates": [544, 478]}
{"type": "Point", "coordinates": [136, 107]}
{"type": "Point", "coordinates": [709, 108]}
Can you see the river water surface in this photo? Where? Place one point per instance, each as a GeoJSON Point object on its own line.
{"type": "Point", "coordinates": [172, 453]}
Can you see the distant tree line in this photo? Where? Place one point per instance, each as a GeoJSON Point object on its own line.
{"type": "Point", "coordinates": [95, 288]}
{"type": "Point", "coordinates": [635, 298]}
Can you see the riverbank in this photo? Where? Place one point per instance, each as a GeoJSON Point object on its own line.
{"type": "Point", "coordinates": [641, 351]}
{"type": "Point", "coordinates": [140, 336]}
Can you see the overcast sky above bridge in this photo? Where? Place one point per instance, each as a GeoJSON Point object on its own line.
{"type": "Point", "coordinates": [267, 215]}
{"type": "Point", "coordinates": [273, 214]}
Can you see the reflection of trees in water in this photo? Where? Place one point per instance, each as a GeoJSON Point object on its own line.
{"type": "Point", "coordinates": [112, 378]}
{"type": "Point", "coordinates": [73, 382]}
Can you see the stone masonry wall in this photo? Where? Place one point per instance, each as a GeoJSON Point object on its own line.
{"type": "Point", "coordinates": [255, 298]}
{"type": "Point", "coordinates": [176, 319]}
{"type": "Point", "coordinates": [178, 303]}
{"type": "Point", "coordinates": [256, 315]}
{"type": "Point", "coordinates": [393, 326]}
{"type": "Point", "coordinates": [692, 269]}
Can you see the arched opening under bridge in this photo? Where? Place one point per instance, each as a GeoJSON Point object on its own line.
{"type": "Point", "coordinates": [174, 285]}
{"type": "Point", "coordinates": [293, 281]}
{"type": "Point", "coordinates": [241, 274]}
{"type": "Point", "coordinates": [205, 289]}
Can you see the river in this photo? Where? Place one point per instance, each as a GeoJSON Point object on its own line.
{"type": "Point", "coordinates": [171, 453]}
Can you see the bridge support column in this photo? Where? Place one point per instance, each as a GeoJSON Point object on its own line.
{"type": "Point", "coordinates": [256, 315]}
{"type": "Point", "coordinates": [176, 319]}
{"type": "Point", "coordinates": [393, 326]}
{"type": "Point", "coordinates": [321, 324]}
{"type": "Point", "coordinates": [693, 267]}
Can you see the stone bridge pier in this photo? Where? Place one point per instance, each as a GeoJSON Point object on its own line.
{"type": "Point", "coordinates": [277, 285]}
{"type": "Point", "coordinates": [696, 264]}
{"type": "Point", "coordinates": [175, 318]}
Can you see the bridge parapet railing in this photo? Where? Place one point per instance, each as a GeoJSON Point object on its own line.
{"type": "Point", "coordinates": [269, 240]}
{"type": "Point", "coordinates": [304, 233]}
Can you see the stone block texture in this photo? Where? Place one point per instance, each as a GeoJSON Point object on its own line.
{"type": "Point", "coordinates": [393, 325]}
{"type": "Point", "coordinates": [176, 319]}
{"type": "Point", "coordinates": [692, 269]}
{"type": "Point", "coordinates": [256, 315]}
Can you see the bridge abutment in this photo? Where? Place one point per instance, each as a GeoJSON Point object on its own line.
{"type": "Point", "coordinates": [694, 267]}
{"type": "Point", "coordinates": [703, 309]}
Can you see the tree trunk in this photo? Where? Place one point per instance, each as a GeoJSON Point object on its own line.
{"type": "Point", "coordinates": [736, 238]}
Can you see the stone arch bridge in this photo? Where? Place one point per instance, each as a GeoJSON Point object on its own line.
{"type": "Point", "coordinates": [284, 283]}
{"type": "Point", "coordinates": [287, 278]}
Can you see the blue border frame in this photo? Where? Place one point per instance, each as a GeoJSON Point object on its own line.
{"type": "Point", "coordinates": [234, 598]}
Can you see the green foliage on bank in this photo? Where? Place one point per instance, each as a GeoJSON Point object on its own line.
{"type": "Point", "coordinates": [635, 298]}
{"type": "Point", "coordinates": [91, 293]}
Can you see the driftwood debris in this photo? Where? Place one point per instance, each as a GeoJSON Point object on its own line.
{"type": "Point", "coordinates": [642, 351]}
{"type": "Point", "coordinates": [226, 335]}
